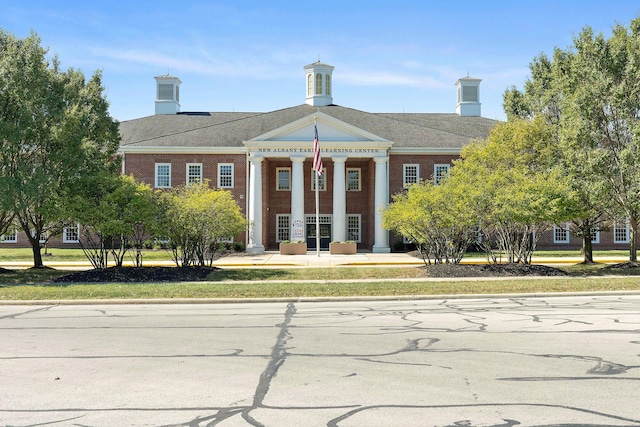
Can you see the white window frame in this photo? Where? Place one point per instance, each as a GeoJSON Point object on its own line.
{"type": "Point", "coordinates": [357, 229]}
{"type": "Point", "coordinates": [190, 178]}
{"type": "Point", "coordinates": [158, 166]}
{"type": "Point", "coordinates": [561, 233]}
{"type": "Point", "coordinates": [66, 232]}
{"type": "Point", "coordinates": [278, 187]}
{"type": "Point", "coordinates": [322, 180]}
{"type": "Point", "coordinates": [595, 234]}
{"type": "Point", "coordinates": [616, 227]}
{"type": "Point", "coordinates": [227, 176]}
{"type": "Point", "coordinates": [283, 227]}
{"type": "Point", "coordinates": [11, 237]}
{"type": "Point", "coordinates": [437, 175]}
{"type": "Point", "coordinates": [358, 181]}
{"type": "Point", "coordinates": [405, 175]}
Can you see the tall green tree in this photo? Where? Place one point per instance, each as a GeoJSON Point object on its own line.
{"type": "Point", "coordinates": [591, 91]}
{"type": "Point", "coordinates": [54, 129]}
{"type": "Point", "coordinates": [512, 187]}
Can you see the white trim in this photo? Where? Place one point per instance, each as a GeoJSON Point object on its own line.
{"type": "Point", "coordinates": [156, 175]}
{"type": "Point", "coordinates": [595, 237]}
{"type": "Point", "coordinates": [359, 216]}
{"type": "Point", "coordinates": [626, 228]}
{"type": "Point", "coordinates": [286, 219]}
{"type": "Point", "coordinates": [278, 179]}
{"type": "Point", "coordinates": [65, 234]}
{"type": "Point", "coordinates": [148, 149]}
{"type": "Point", "coordinates": [559, 230]}
{"type": "Point", "coordinates": [425, 150]}
{"type": "Point", "coordinates": [404, 174]}
{"type": "Point", "coordinates": [220, 165]}
{"type": "Point", "coordinates": [359, 179]}
{"type": "Point", "coordinates": [437, 178]}
{"type": "Point", "coordinates": [10, 237]}
{"type": "Point", "coordinates": [186, 168]}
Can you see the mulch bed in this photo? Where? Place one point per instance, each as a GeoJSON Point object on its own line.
{"type": "Point", "coordinates": [139, 274]}
{"type": "Point", "coordinates": [491, 270]}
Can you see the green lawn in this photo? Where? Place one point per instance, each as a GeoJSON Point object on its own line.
{"type": "Point", "coordinates": [55, 254]}
{"type": "Point", "coordinates": [310, 282]}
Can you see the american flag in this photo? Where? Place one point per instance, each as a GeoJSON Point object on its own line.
{"type": "Point", "coordinates": [317, 159]}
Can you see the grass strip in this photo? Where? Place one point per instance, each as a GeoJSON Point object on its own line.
{"type": "Point", "coordinates": [311, 289]}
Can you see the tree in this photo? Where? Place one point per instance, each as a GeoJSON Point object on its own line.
{"type": "Point", "coordinates": [54, 129]}
{"type": "Point", "coordinates": [116, 214]}
{"type": "Point", "coordinates": [435, 219]}
{"type": "Point", "coordinates": [196, 219]}
{"type": "Point", "coordinates": [594, 89]}
{"type": "Point", "coordinates": [512, 187]}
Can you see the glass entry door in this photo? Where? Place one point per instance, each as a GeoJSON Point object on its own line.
{"type": "Point", "coordinates": [325, 236]}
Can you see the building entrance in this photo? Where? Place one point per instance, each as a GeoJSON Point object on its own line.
{"type": "Point", "coordinates": [325, 236]}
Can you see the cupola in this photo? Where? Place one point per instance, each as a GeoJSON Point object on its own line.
{"type": "Point", "coordinates": [167, 94]}
{"type": "Point", "coordinates": [468, 97]}
{"type": "Point", "coordinates": [318, 84]}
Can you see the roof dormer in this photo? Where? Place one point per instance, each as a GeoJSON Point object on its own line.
{"type": "Point", "coordinates": [167, 94]}
{"type": "Point", "coordinates": [318, 84]}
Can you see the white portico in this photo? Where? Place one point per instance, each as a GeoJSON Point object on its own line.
{"type": "Point", "coordinates": [292, 146]}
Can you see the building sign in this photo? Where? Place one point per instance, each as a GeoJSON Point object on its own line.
{"type": "Point", "coordinates": [322, 150]}
{"type": "Point", "coordinates": [297, 230]}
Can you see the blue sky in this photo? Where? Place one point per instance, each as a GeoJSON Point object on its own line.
{"type": "Point", "coordinates": [401, 56]}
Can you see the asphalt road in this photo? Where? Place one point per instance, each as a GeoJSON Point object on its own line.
{"type": "Point", "coordinates": [549, 361]}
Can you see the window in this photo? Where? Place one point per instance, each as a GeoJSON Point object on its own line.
{"type": "Point", "coordinates": [225, 175]}
{"type": "Point", "coordinates": [309, 85]}
{"type": "Point", "coordinates": [165, 91]}
{"type": "Point", "coordinates": [163, 175]}
{"type": "Point", "coordinates": [10, 237]}
{"type": "Point", "coordinates": [595, 234]}
{"type": "Point", "coordinates": [283, 177]}
{"type": "Point", "coordinates": [283, 222]}
{"type": "Point", "coordinates": [321, 180]}
{"type": "Point", "coordinates": [621, 231]}
{"type": "Point", "coordinates": [194, 173]}
{"type": "Point", "coordinates": [318, 84]}
{"type": "Point", "coordinates": [353, 179]}
{"type": "Point", "coordinates": [71, 234]}
{"type": "Point", "coordinates": [353, 228]}
{"type": "Point", "coordinates": [561, 233]}
{"type": "Point", "coordinates": [328, 84]}
{"type": "Point", "coordinates": [440, 172]}
{"type": "Point", "coordinates": [410, 175]}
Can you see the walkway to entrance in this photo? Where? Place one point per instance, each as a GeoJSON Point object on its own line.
{"type": "Point", "coordinates": [311, 259]}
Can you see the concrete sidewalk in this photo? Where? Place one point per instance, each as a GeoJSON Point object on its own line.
{"type": "Point", "coordinates": [273, 259]}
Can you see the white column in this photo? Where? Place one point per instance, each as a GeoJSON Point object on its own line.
{"type": "Point", "coordinates": [297, 198]}
{"type": "Point", "coordinates": [381, 243]}
{"type": "Point", "coordinates": [255, 205]}
{"type": "Point", "coordinates": [339, 227]}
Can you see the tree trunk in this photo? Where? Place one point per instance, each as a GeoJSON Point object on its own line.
{"type": "Point", "coordinates": [633, 239]}
{"type": "Point", "coordinates": [37, 254]}
{"type": "Point", "coordinates": [587, 248]}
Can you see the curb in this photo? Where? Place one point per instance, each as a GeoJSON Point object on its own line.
{"type": "Point", "coordinates": [161, 301]}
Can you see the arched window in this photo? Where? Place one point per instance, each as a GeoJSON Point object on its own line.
{"type": "Point", "coordinates": [328, 84]}
{"type": "Point", "coordinates": [309, 85]}
{"type": "Point", "coordinates": [318, 84]}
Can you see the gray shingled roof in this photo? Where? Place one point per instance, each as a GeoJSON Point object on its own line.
{"type": "Point", "coordinates": [230, 129]}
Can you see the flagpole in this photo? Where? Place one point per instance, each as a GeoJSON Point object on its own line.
{"type": "Point", "coordinates": [317, 168]}
{"type": "Point", "coordinates": [317, 216]}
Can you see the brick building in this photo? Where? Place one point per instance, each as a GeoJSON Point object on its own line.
{"type": "Point", "coordinates": [265, 159]}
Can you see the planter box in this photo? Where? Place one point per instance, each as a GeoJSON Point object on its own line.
{"type": "Point", "coordinates": [293, 248]}
{"type": "Point", "coordinates": [342, 248]}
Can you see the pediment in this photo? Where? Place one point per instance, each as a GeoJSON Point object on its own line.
{"type": "Point", "coordinates": [330, 131]}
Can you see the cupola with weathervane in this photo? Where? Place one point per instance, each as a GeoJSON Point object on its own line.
{"type": "Point", "coordinates": [468, 97]}
{"type": "Point", "coordinates": [318, 84]}
{"type": "Point", "coordinates": [167, 94]}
